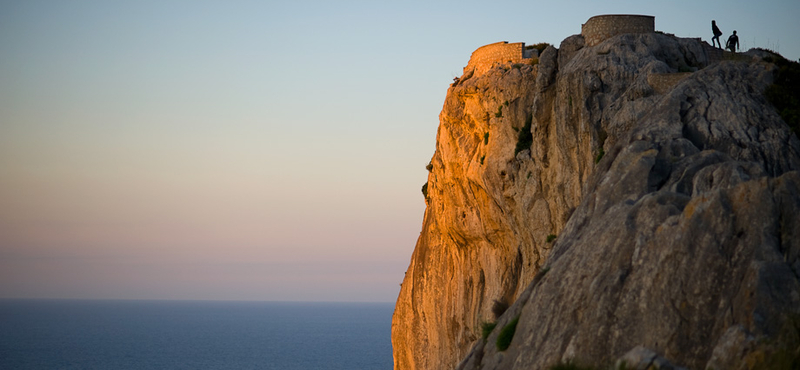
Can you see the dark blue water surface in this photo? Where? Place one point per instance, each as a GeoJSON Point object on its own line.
{"type": "Point", "coordinates": [44, 334]}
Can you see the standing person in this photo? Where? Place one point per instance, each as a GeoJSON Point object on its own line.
{"type": "Point", "coordinates": [717, 34]}
{"type": "Point", "coordinates": [733, 42]}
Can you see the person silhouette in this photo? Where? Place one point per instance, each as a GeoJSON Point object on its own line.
{"type": "Point", "coordinates": [733, 42]}
{"type": "Point", "coordinates": [717, 34]}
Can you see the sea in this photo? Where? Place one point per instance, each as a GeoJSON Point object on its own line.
{"type": "Point", "coordinates": [77, 334]}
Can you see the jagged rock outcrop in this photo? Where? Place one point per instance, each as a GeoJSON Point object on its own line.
{"type": "Point", "coordinates": [676, 208]}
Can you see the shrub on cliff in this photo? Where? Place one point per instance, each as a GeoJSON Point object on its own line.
{"type": "Point", "coordinates": [784, 93]}
{"type": "Point", "coordinates": [486, 329]}
{"type": "Point", "coordinates": [507, 334]}
{"type": "Point", "coordinates": [499, 307]}
{"type": "Point", "coordinates": [540, 46]}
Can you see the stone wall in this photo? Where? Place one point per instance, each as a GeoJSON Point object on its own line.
{"type": "Point", "coordinates": [601, 27]}
{"type": "Point", "coordinates": [485, 57]}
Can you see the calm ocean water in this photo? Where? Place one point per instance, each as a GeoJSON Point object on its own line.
{"type": "Point", "coordinates": [45, 334]}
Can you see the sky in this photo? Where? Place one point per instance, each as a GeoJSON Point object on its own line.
{"type": "Point", "coordinates": [252, 150]}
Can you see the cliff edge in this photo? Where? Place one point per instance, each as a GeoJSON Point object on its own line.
{"type": "Point", "coordinates": [631, 199]}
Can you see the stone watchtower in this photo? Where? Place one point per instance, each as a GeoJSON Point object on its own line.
{"type": "Point", "coordinates": [596, 30]}
{"type": "Point", "coordinates": [487, 56]}
{"type": "Point", "coordinates": [601, 27]}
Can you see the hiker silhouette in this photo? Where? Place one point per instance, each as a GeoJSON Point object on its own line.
{"type": "Point", "coordinates": [733, 42]}
{"type": "Point", "coordinates": [717, 34]}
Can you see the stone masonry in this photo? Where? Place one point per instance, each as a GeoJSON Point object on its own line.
{"type": "Point", "coordinates": [601, 27]}
{"type": "Point", "coordinates": [485, 57]}
{"type": "Point", "coordinates": [594, 31]}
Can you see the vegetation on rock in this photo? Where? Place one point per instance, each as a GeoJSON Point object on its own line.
{"type": "Point", "coordinates": [507, 334]}
{"type": "Point", "coordinates": [695, 174]}
{"type": "Point", "coordinates": [540, 46]}
{"type": "Point", "coordinates": [600, 154]}
{"type": "Point", "coordinates": [784, 93]}
{"type": "Point", "coordinates": [499, 307]}
{"type": "Point", "coordinates": [486, 329]}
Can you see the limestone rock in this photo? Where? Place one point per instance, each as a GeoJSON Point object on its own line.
{"type": "Point", "coordinates": [477, 244]}
{"type": "Point", "coordinates": [676, 210]}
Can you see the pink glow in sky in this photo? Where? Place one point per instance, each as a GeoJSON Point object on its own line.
{"type": "Point", "coordinates": [250, 150]}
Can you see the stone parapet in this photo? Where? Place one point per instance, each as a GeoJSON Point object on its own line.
{"type": "Point", "coordinates": [485, 57]}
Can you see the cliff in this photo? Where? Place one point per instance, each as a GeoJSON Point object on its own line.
{"type": "Point", "coordinates": [632, 197]}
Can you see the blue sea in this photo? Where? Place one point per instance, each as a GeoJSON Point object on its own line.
{"type": "Point", "coordinates": [56, 334]}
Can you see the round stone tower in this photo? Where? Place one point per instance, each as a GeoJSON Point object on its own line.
{"type": "Point", "coordinates": [601, 27]}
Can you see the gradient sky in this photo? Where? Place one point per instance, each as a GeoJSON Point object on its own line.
{"type": "Point", "coordinates": [251, 150]}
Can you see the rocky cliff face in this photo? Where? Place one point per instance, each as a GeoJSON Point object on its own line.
{"type": "Point", "coordinates": [670, 184]}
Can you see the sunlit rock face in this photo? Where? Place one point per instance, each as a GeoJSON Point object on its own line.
{"type": "Point", "coordinates": [674, 201]}
{"type": "Point", "coordinates": [489, 213]}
